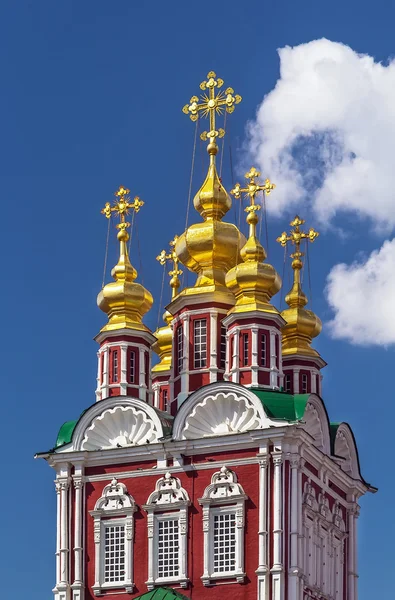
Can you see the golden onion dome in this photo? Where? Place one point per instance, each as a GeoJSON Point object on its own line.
{"type": "Point", "coordinates": [212, 247]}
{"type": "Point", "coordinates": [302, 325]}
{"type": "Point", "coordinates": [124, 300]}
{"type": "Point", "coordinates": [253, 282]}
{"type": "Point", "coordinates": [164, 335]}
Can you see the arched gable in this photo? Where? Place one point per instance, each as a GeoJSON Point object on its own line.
{"type": "Point", "coordinates": [315, 422]}
{"type": "Point", "coordinates": [114, 423]}
{"type": "Point", "coordinates": [345, 448]}
{"type": "Point", "coordinates": [221, 408]}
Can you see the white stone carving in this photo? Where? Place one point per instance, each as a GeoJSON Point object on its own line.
{"type": "Point", "coordinates": [114, 497]}
{"type": "Point", "coordinates": [223, 486]}
{"type": "Point", "coordinates": [345, 448]}
{"type": "Point", "coordinates": [120, 426]}
{"type": "Point", "coordinates": [313, 426]}
{"type": "Point", "coordinates": [221, 414]}
{"type": "Point", "coordinates": [168, 490]}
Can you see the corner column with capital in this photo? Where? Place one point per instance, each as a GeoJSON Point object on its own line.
{"type": "Point", "coordinates": [78, 585]}
{"type": "Point", "coordinates": [353, 514]}
{"type": "Point", "coordinates": [263, 567]}
{"type": "Point", "coordinates": [294, 573]}
{"type": "Point", "coordinates": [62, 588]}
{"type": "Point", "coordinates": [277, 570]}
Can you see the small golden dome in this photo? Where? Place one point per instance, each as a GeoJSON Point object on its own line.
{"type": "Point", "coordinates": [253, 282]}
{"type": "Point", "coordinates": [124, 301]}
{"type": "Point", "coordinates": [210, 248]}
{"type": "Point", "coordinates": [163, 345]}
{"type": "Point", "coordinates": [164, 335]}
{"type": "Point", "coordinates": [302, 325]}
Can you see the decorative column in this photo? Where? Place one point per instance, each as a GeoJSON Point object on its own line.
{"type": "Point", "coordinates": [294, 569]}
{"type": "Point", "coordinates": [142, 383]}
{"type": "Point", "coordinates": [123, 382]}
{"type": "Point", "coordinates": [262, 570]}
{"type": "Point", "coordinates": [254, 356]}
{"type": "Point", "coordinates": [277, 568]}
{"type": "Point", "coordinates": [235, 356]}
{"type": "Point", "coordinates": [273, 361]}
{"type": "Point", "coordinates": [213, 348]}
{"type": "Point", "coordinates": [353, 514]}
{"type": "Point", "coordinates": [58, 521]}
{"type": "Point", "coordinates": [78, 585]}
{"type": "Point", "coordinates": [62, 590]}
{"type": "Point", "coordinates": [185, 359]}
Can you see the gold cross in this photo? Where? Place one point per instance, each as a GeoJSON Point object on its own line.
{"type": "Point", "coordinates": [212, 105]}
{"type": "Point", "coordinates": [163, 257]}
{"type": "Point", "coordinates": [296, 236]}
{"type": "Point", "coordinates": [122, 206]}
{"type": "Point", "coordinates": [252, 189]}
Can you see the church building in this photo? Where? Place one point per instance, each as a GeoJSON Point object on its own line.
{"type": "Point", "coordinates": [216, 473]}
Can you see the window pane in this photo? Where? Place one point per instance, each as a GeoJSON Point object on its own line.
{"type": "Point", "coordinates": [180, 348]}
{"type": "Point", "coordinates": [245, 349]}
{"type": "Point", "coordinates": [304, 383]}
{"type": "Point", "coordinates": [168, 548]}
{"type": "Point", "coordinates": [224, 551]}
{"type": "Point", "coordinates": [115, 366]}
{"type": "Point", "coordinates": [165, 399]}
{"type": "Point", "coordinates": [131, 366]}
{"type": "Point", "coordinates": [223, 348]}
{"type": "Point", "coordinates": [200, 343]}
{"type": "Point", "coordinates": [263, 350]}
{"type": "Point", "coordinates": [114, 554]}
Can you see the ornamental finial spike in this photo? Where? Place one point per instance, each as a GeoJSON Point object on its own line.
{"type": "Point", "coordinates": [121, 208]}
{"type": "Point", "coordinates": [251, 191]}
{"type": "Point", "coordinates": [163, 257]}
{"type": "Point", "coordinates": [296, 297]}
{"type": "Point", "coordinates": [212, 104]}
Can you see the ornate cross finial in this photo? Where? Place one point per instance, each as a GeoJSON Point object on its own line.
{"type": "Point", "coordinates": [122, 207]}
{"type": "Point", "coordinates": [296, 236]}
{"type": "Point", "coordinates": [252, 189]}
{"type": "Point", "coordinates": [211, 105]}
{"type": "Point", "coordinates": [163, 257]}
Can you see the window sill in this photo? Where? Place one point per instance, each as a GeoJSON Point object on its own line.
{"type": "Point", "coordinates": [180, 581]}
{"type": "Point", "coordinates": [105, 587]}
{"type": "Point", "coordinates": [231, 577]}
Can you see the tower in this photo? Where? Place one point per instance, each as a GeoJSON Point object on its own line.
{"type": "Point", "coordinates": [234, 486]}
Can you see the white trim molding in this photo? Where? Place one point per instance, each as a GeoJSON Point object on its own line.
{"type": "Point", "coordinates": [114, 509]}
{"type": "Point", "coordinates": [223, 502]}
{"type": "Point", "coordinates": [167, 509]}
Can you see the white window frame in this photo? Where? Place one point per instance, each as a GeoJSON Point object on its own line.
{"type": "Point", "coordinates": [287, 383]}
{"type": "Point", "coordinates": [115, 507]}
{"type": "Point", "coordinates": [246, 349]}
{"type": "Point", "coordinates": [222, 356]}
{"type": "Point", "coordinates": [165, 399]}
{"type": "Point", "coordinates": [223, 495]}
{"type": "Point", "coordinates": [115, 366]}
{"type": "Point", "coordinates": [304, 383]}
{"type": "Point", "coordinates": [169, 501]}
{"type": "Point", "coordinates": [200, 343]}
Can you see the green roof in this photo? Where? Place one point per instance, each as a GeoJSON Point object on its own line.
{"type": "Point", "coordinates": [65, 433]}
{"type": "Point", "coordinates": [162, 594]}
{"type": "Point", "coordinates": [280, 405]}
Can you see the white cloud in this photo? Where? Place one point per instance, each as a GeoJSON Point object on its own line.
{"type": "Point", "coordinates": [362, 296]}
{"type": "Point", "coordinates": [326, 133]}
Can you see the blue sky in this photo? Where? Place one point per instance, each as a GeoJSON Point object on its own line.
{"type": "Point", "coordinates": [91, 98]}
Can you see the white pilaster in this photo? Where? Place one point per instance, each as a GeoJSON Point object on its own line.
{"type": "Point", "coordinates": [98, 378]}
{"type": "Point", "coordinates": [254, 356]}
{"type": "Point", "coordinates": [352, 554]}
{"type": "Point", "coordinates": [142, 384]}
{"type": "Point", "coordinates": [263, 568]}
{"type": "Point", "coordinates": [185, 362]}
{"type": "Point", "coordinates": [294, 569]}
{"type": "Point", "coordinates": [78, 585]}
{"type": "Point", "coordinates": [62, 590]}
{"type": "Point", "coordinates": [213, 348]}
{"type": "Point", "coordinates": [296, 381]}
{"type": "Point", "coordinates": [236, 360]}
{"type": "Point", "coordinates": [277, 568]}
{"type": "Point", "coordinates": [273, 361]}
{"type": "Point", "coordinates": [106, 374]}
{"type": "Point", "coordinates": [123, 382]}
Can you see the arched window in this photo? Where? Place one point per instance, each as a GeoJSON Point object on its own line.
{"type": "Point", "coordinates": [223, 528]}
{"type": "Point", "coordinates": [167, 509]}
{"type": "Point", "coordinates": [113, 535]}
